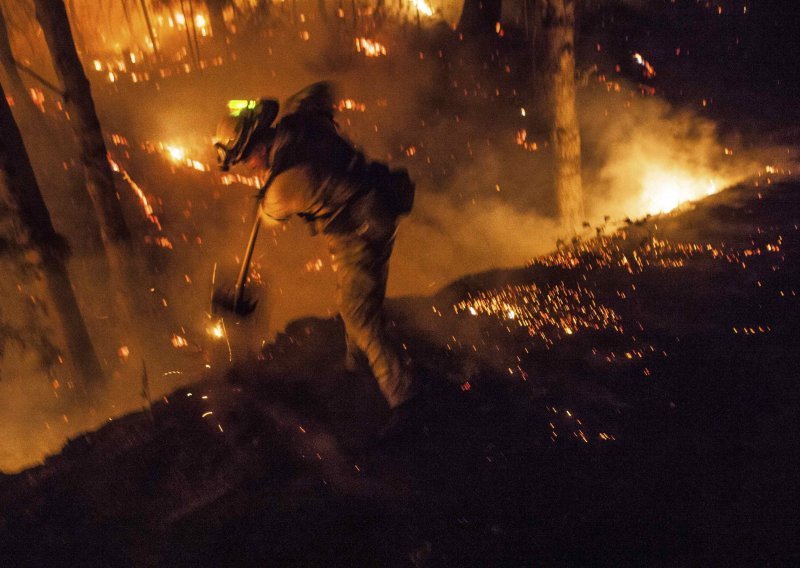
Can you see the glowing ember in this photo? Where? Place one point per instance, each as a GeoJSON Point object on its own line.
{"type": "Point", "coordinates": [217, 331]}
{"type": "Point", "coordinates": [350, 104]}
{"type": "Point", "coordinates": [649, 72]}
{"type": "Point", "coordinates": [177, 154]}
{"type": "Point", "coordinates": [123, 353]}
{"type": "Point", "coordinates": [178, 341]}
{"type": "Point", "coordinates": [148, 209]}
{"type": "Point", "coordinates": [546, 313]}
{"type": "Point", "coordinates": [369, 47]}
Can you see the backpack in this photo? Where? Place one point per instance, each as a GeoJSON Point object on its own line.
{"type": "Point", "coordinates": [395, 186]}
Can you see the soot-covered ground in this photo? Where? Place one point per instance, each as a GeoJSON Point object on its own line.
{"type": "Point", "coordinates": [630, 399]}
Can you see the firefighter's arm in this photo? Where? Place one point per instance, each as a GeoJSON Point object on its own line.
{"type": "Point", "coordinates": [287, 195]}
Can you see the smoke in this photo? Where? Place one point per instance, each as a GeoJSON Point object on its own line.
{"type": "Point", "coordinates": [647, 157]}
{"type": "Point", "coordinates": [484, 197]}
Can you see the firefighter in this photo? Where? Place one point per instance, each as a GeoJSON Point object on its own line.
{"type": "Point", "coordinates": [316, 174]}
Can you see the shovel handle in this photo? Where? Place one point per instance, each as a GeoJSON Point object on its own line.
{"type": "Point", "coordinates": [238, 291]}
{"type": "Point", "coordinates": [248, 256]}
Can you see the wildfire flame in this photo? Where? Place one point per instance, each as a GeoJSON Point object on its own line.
{"type": "Point", "coordinates": [664, 190]}
{"type": "Point", "coordinates": [423, 7]}
{"type": "Point", "coordinates": [369, 47]}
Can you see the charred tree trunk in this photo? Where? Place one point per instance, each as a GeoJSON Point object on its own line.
{"type": "Point", "coordinates": [479, 17]}
{"type": "Point", "coordinates": [15, 84]}
{"type": "Point", "coordinates": [114, 232]}
{"type": "Point", "coordinates": [17, 180]}
{"type": "Point", "coordinates": [554, 27]}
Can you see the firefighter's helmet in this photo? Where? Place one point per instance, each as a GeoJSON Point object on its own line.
{"type": "Point", "coordinates": [238, 132]}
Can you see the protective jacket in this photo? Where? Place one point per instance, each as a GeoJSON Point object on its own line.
{"type": "Point", "coordinates": [319, 176]}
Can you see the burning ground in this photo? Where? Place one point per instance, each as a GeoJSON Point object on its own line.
{"type": "Point", "coordinates": [624, 398]}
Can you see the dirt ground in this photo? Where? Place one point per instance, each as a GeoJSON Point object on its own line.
{"type": "Point", "coordinates": [660, 429]}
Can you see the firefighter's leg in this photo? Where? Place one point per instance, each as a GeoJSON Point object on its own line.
{"type": "Point", "coordinates": [353, 357]}
{"type": "Point", "coordinates": [362, 270]}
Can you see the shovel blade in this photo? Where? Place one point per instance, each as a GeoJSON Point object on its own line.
{"type": "Point", "coordinates": [225, 300]}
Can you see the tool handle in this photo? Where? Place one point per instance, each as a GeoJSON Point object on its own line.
{"type": "Point", "coordinates": [248, 256]}
{"type": "Point", "coordinates": [238, 291]}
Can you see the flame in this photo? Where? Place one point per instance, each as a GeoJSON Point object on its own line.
{"type": "Point", "coordinates": [423, 7]}
{"type": "Point", "coordinates": [369, 47]}
{"type": "Point", "coordinates": [217, 331]}
{"type": "Point", "coordinates": [176, 153]}
{"type": "Point", "coordinates": [665, 190]}
{"type": "Point", "coordinates": [351, 104]}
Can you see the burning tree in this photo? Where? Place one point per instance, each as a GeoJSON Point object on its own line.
{"type": "Point", "coordinates": [554, 53]}
{"type": "Point", "coordinates": [41, 247]}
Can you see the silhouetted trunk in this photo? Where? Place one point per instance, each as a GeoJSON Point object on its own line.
{"type": "Point", "coordinates": [479, 17]}
{"type": "Point", "coordinates": [217, 19]}
{"type": "Point", "coordinates": [79, 104]}
{"type": "Point", "coordinates": [83, 118]}
{"type": "Point", "coordinates": [150, 32]}
{"type": "Point", "coordinates": [37, 234]}
{"type": "Point", "coordinates": [128, 21]}
{"type": "Point", "coordinates": [187, 22]}
{"type": "Point", "coordinates": [15, 84]}
{"type": "Point", "coordinates": [554, 25]}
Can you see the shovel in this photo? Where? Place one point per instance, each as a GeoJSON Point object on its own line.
{"type": "Point", "coordinates": [236, 300]}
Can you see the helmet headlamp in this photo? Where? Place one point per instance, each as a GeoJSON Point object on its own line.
{"type": "Point", "coordinates": [237, 132]}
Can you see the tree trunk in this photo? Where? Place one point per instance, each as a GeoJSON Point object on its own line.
{"type": "Point", "coordinates": [80, 41]}
{"type": "Point", "coordinates": [150, 31]}
{"type": "Point", "coordinates": [15, 84]}
{"type": "Point", "coordinates": [479, 17]}
{"type": "Point", "coordinates": [215, 16]}
{"type": "Point", "coordinates": [78, 102]}
{"type": "Point", "coordinates": [555, 66]}
{"type": "Point", "coordinates": [37, 234]}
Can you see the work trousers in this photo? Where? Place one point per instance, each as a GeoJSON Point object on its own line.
{"type": "Point", "coordinates": [360, 258]}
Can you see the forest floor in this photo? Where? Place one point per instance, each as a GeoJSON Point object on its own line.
{"type": "Point", "coordinates": [630, 399]}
